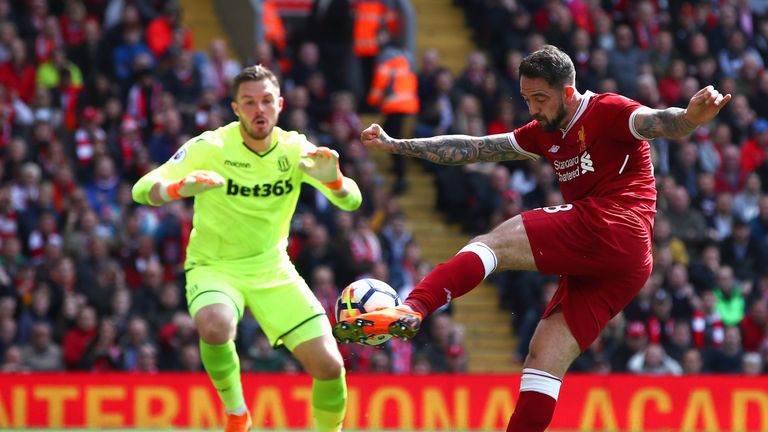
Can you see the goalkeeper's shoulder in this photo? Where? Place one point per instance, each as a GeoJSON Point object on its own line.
{"type": "Point", "coordinates": [195, 154]}
{"type": "Point", "coordinates": [215, 140]}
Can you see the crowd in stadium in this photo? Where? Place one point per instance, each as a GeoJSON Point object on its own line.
{"type": "Point", "coordinates": [95, 93]}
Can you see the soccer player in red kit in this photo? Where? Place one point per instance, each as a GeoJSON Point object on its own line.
{"type": "Point", "coordinates": [599, 243]}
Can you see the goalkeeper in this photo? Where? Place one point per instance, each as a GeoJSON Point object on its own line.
{"type": "Point", "coordinates": [246, 177]}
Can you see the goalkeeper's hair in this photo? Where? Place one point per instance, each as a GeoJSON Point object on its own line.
{"type": "Point", "coordinates": [253, 73]}
{"type": "Point", "coordinates": [550, 64]}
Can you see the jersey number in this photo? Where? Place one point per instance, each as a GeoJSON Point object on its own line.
{"type": "Point", "coordinates": [559, 208]}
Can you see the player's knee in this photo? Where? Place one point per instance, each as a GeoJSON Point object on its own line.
{"type": "Point", "coordinates": [509, 232]}
{"type": "Point", "coordinates": [327, 368]}
{"type": "Point", "coordinates": [215, 325]}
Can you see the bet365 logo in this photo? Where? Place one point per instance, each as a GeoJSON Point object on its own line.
{"type": "Point", "coordinates": [277, 188]}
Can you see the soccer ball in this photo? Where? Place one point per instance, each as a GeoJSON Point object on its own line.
{"type": "Point", "coordinates": [366, 295]}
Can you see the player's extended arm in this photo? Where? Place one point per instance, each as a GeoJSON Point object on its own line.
{"type": "Point", "coordinates": [156, 191]}
{"type": "Point", "coordinates": [444, 149]}
{"type": "Point", "coordinates": [678, 122]}
{"type": "Point", "coordinates": [322, 165]}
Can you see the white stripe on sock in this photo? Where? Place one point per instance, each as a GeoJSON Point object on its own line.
{"type": "Point", "coordinates": [486, 254]}
{"type": "Point", "coordinates": [541, 382]}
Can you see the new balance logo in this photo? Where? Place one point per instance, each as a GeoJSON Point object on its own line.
{"type": "Point", "coordinates": [237, 164]}
{"type": "Point", "coordinates": [586, 163]}
{"type": "Point", "coordinates": [554, 148]}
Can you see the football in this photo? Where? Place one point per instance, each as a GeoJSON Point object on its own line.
{"type": "Point", "coordinates": [366, 295]}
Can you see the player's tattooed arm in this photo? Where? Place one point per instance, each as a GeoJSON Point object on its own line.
{"type": "Point", "coordinates": [666, 123]}
{"type": "Point", "coordinates": [458, 149]}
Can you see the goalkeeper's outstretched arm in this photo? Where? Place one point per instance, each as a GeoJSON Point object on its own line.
{"type": "Point", "coordinates": [154, 189]}
{"type": "Point", "coordinates": [321, 168]}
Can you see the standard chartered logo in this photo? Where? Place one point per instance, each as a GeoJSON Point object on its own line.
{"type": "Point", "coordinates": [571, 168]}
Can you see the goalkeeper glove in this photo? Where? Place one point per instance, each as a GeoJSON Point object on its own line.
{"type": "Point", "coordinates": [193, 184]}
{"type": "Point", "coordinates": [323, 164]}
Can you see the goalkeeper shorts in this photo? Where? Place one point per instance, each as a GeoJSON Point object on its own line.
{"type": "Point", "coordinates": [279, 299]}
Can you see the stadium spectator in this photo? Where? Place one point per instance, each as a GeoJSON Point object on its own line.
{"type": "Point", "coordinates": [13, 360]}
{"type": "Point", "coordinates": [320, 251]}
{"type": "Point", "coordinates": [129, 51]}
{"type": "Point", "coordinates": [146, 360]}
{"type": "Point", "coordinates": [135, 336]}
{"type": "Point", "coordinates": [190, 358]}
{"type": "Point", "coordinates": [729, 357]}
{"type": "Point", "coordinates": [219, 70]}
{"type": "Point", "coordinates": [395, 237]}
{"type": "Point", "coordinates": [177, 332]}
{"type": "Point", "coordinates": [165, 35]}
{"type": "Point", "coordinates": [184, 82]}
{"type": "Point", "coordinates": [752, 364]}
{"type": "Point", "coordinates": [103, 353]}
{"type": "Point", "coordinates": [17, 74]}
{"type": "Point", "coordinates": [754, 326]}
{"type": "Point", "coordinates": [684, 298]}
{"type": "Point", "coordinates": [730, 299]}
{"type": "Point", "coordinates": [50, 73]}
{"type": "Point", "coordinates": [76, 339]}
{"type": "Point", "coordinates": [654, 361]}
{"type": "Point", "coordinates": [686, 223]}
{"type": "Point", "coordinates": [746, 203]}
{"type": "Point", "coordinates": [692, 362]}
{"type": "Point", "coordinates": [625, 60]}
{"type": "Point", "coordinates": [324, 288]}
{"type": "Point", "coordinates": [329, 24]}
{"type": "Point", "coordinates": [42, 353]}
{"type": "Point", "coordinates": [394, 92]}
{"type": "Point", "coordinates": [680, 341]}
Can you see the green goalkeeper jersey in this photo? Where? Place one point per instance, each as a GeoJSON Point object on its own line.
{"type": "Point", "coordinates": [250, 216]}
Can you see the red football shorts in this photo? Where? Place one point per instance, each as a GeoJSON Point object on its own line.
{"type": "Point", "coordinates": [602, 254]}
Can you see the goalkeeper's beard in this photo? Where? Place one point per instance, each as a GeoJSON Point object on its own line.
{"type": "Point", "coordinates": [252, 134]}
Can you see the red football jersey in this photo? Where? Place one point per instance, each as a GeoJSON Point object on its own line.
{"type": "Point", "coordinates": [599, 154]}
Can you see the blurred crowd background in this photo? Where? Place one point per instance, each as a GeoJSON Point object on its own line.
{"type": "Point", "coordinates": [95, 93]}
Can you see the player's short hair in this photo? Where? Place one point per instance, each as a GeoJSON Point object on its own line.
{"type": "Point", "coordinates": [550, 64]}
{"type": "Point", "coordinates": [253, 73]}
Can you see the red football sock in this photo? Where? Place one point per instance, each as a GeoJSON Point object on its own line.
{"type": "Point", "coordinates": [533, 412]}
{"type": "Point", "coordinates": [538, 395]}
{"type": "Point", "coordinates": [452, 279]}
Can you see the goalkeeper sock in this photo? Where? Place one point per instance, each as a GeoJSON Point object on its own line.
{"type": "Point", "coordinates": [329, 403]}
{"type": "Point", "coordinates": [536, 404]}
{"type": "Point", "coordinates": [453, 278]}
{"type": "Point", "coordinates": [223, 367]}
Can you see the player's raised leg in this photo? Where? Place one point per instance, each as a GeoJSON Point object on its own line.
{"type": "Point", "coordinates": [505, 247]}
{"type": "Point", "coordinates": [552, 350]}
{"type": "Point", "coordinates": [321, 358]}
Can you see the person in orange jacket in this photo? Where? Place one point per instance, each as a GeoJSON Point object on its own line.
{"type": "Point", "coordinates": [394, 90]}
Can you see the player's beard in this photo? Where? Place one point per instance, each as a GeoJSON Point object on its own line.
{"type": "Point", "coordinates": [554, 124]}
{"type": "Point", "coordinates": [251, 132]}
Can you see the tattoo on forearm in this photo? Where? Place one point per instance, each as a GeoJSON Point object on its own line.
{"type": "Point", "coordinates": [458, 149]}
{"type": "Point", "coordinates": [668, 123]}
